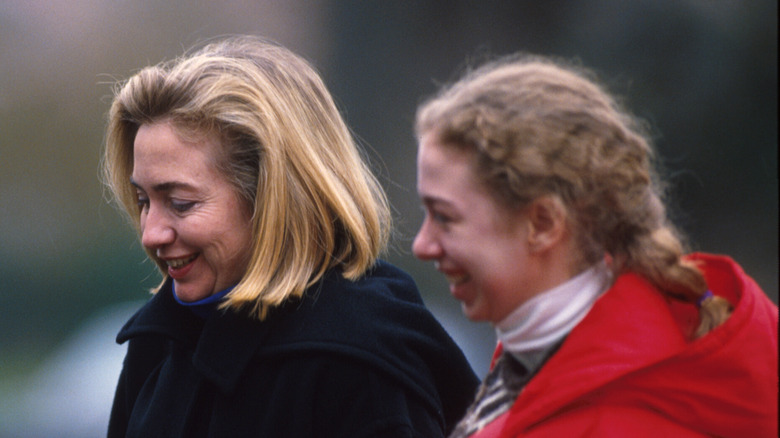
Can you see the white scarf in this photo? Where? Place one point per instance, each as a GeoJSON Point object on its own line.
{"type": "Point", "coordinates": [549, 316]}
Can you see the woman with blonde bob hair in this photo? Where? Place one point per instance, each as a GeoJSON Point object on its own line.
{"type": "Point", "coordinates": [545, 214]}
{"type": "Point", "coordinates": [274, 317]}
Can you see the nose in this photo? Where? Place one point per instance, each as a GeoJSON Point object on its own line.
{"type": "Point", "coordinates": [156, 229]}
{"type": "Point", "coordinates": [425, 246]}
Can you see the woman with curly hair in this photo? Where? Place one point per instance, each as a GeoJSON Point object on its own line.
{"type": "Point", "coordinates": [544, 212]}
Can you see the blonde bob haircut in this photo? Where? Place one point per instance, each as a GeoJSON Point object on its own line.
{"type": "Point", "coordinates": [287, 151]}
{"type": "Point", "coordinates": [540, 127]}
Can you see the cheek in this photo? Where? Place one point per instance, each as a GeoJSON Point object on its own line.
{"type": "Point", "coordinates": [236, 241]}
{"type": "Point", "coordinates": [245, 244]}
{"type": "Point", "coordinates": [209, 237]}
{"type": "Point", "coordinates": [497, 267]}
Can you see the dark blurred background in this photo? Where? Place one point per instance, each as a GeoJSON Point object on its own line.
{"type": "Point", "coordinates": [703, 73]}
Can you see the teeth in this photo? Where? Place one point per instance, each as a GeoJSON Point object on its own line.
{"type": "Point", "coordinates": [455, 280]}
{"type": "Point", "coordinates": [178, 263]}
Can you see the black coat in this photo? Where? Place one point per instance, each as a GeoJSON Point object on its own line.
{"type": "Point", "coordinates": [350, 359]}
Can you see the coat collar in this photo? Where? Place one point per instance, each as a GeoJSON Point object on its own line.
{"type": "Point", "coordinates": [590, 359]}
{"type": "Point", "coordinates": [226, 346]}
{"type": "Point", "coordinates": [378, 320]}
{"type": "Point", "coordinates": [223, 343]}
{"type": "Point", "coordinates": [634, 327]}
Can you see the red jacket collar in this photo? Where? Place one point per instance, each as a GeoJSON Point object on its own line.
{"type": "Point", "coordinates": [634, 328]}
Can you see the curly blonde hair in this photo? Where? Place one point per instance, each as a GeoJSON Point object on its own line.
{"type": "Point", "coordinates": [541, 127]}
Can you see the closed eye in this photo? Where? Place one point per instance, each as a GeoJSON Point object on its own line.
{"type": "Point", "coordinates": [181, 206]}
{"type": "Point", "coordinates": [439, 211]}
{"type": "Point", "coordinates": [440, 218]}
{"type": "Point", "coordinates": [436, 215]}
{"type": "Point", "coordinates": [142, 201]}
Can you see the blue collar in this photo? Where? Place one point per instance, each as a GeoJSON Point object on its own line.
{"type": "Point", "coordinates": [205, 307]}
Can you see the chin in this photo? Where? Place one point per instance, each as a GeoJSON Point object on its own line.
{"type": "Point", "coordinates": [476, 315]}
{"type": "Point", "coordinates": [189, 294]}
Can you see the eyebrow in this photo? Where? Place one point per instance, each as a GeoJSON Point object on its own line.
{"type": "Point", "coordinates": [165, 186]}
{"type": "Point", "coordinates": [432, 201]}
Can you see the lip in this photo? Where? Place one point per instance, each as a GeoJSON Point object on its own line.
{"type": "Point", "coordinates": [455, 279]}
{"type": "Point", "coordinates": [453, 276]}
{"type": "Point", "coordinates": [179, 272]}
{"type": "Point", "coordinates": [459, 292]}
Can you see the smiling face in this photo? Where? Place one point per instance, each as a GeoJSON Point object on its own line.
{"type": "Point", "coordinates": [191, 217]}
{"type": "Point", "coordinates": [479, 245]}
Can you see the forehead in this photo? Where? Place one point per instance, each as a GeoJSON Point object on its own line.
{"type": "Point", "coordinates": [440, 163]}
{"type": "Point", "coordinates": [446, 177]}
{"type": "Point", "coordinates": [160, 152]}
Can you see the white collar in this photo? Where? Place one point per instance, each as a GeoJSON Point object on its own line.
{"type": "Point", "coordinates": [549, 316]}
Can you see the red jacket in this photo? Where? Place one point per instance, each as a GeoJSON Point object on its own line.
{"type": "Point", "coordinates": [629, 370]}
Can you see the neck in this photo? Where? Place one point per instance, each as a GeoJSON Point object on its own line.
{"type": "Point", "coordinates": [549, 316]}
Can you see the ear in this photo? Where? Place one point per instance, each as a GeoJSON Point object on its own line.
{"type": "Point", "coordinates": [546, 223]}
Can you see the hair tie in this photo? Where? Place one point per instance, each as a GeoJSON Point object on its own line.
{"type": "Point", "coordinates": [703, 297]}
